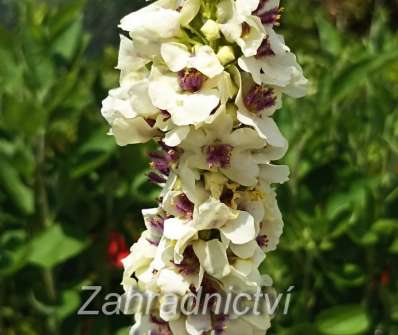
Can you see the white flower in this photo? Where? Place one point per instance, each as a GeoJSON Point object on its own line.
{"type": "Point", "coordinates": [239, 25]}
{"type": "Point", "coordinates": [274, 64]}
{"type": "Point", "coordinates": [234, 225]}
{"type": "Point", "coordinates": [127, 109]}
{"type": "Point", "coordinates": [271, 227]}
{"type": "Point", "coordinates": [184, 108]}
{"type": "Point", "coordinates": [177, 57]}
{"type": "Point", "coordinates": [160, 20]}
{"type": "Point", "coordinates": [255, 106]}
{"type": "Point", "coordinates": [152, 22]}
{"type": "Point", "coordinates": [218, 147]}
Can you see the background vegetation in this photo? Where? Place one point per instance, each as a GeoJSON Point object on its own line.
{"type": "Point", "coordinates": [70, 199]}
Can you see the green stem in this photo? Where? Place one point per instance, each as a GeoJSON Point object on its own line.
{"type": "Point", "coordinates": [44, 221]}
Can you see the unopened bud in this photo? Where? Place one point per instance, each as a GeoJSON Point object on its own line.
{"type": "Point", "coordinates": [226, 54]}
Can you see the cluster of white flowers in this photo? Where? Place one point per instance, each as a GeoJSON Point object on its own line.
{"type": "Point", "coordinates": [203, 78]}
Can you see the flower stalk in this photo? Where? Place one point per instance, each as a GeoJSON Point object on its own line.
{"type": "Point", "coordinates": [208, 75]}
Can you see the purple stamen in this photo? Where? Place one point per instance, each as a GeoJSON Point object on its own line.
{"type": "Point", "coordinates": [262, 241]}
{"type": "Point", "coordinates": [219, 155]}
{"type": "Point", "coordinates": [190, 263]}
{"type": "Point", "coordinates": [265, 49]}
{"type": "Point", "coordinates": [191, 80]}
{"type": "Point", "coordinates": [155, 178]}
{"type": "Point", "coordinates": [160, 162]}
{"type": "Point", "coordinates": [184, 206]}
{"type": "Point", "coordinates": [268, 16]}
{"type": "Point", "coordinates": [151, 122]}
{"type": "Point", "coordinates": [220, 323]}
{"type": "Point", "coordinates": [259, 98]}
{"type": "Point", "coordinates": [271, 17]}
{"type": "Point", "coordinates": [166, 115]}
{"type": "Point", "coordinates": [157, 223]}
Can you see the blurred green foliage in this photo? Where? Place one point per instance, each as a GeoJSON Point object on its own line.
{"type": "Point", "coordinates": [65, 187]}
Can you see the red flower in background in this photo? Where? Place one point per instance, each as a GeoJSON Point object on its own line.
{"type": "Point", "coordinates": [117, 249]}
{"type": "Point", "coordinates": [385, 278]}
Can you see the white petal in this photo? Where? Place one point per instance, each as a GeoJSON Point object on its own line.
{"type": "Point", "coordinates": [241, 230]}
{"type": "Point", "coordinates": [244, 250]}
{"type": "Point", "coordinates": [174, 137]}
{"type": "Point", "coordinates": [246, 7]}
{"type": "Point", "coordinates": [194, 108]}
{"type": "Point", "coordinates": [175, 229]}
{"type": "Point", "coordinates": [206, 61]}
{"type": "Point", "coordinates": [189, 11]}
{"type": "Point", "coordinates": [172, 282]}
{"type": "Point", "coordinates": [178, 327]}
{"type": "Point", "coordinates": [247, 138]}
{"type": "Point", "coordinates": [129, 59]}
{"type": "Point", "coordinates": [152, 22]}
{"type": "Point", "coordinates": [266, 128]}
{"type": "Point", "coordinates": [213, 257]}
{"type": "Point", "coordinates": [275, 173]}
{"type": "Point", "coordinates": [175, 55]}
{"type": "Point", "coordinates": [243, 168]}
{"type": "Point", "coordinates": [213, 214]}
{"type": "Point", "coordinates": [198, 324]}
{"type": "Point", "coordinates": [132, 131]}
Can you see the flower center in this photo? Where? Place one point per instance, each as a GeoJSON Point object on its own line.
{"type": "Point", "coordinates": [262, 241]}
{"type": "Point", "coordinates": [191, 80]}
{"type": "Point", "coordinates": [245, 29]}
{"type": "Point", "coordinates": [265, 49]}
{"type": "Point", "coordinates": [268, 16]}
{"type": "Point", "coordinates": [190, 263]}
{"type": "Point", "coordinates": [219, 155]}
{"type": "Point", "coordinates": [162, 327]}
{"type": "Point", "coordinates": [259, 98]}
{"type": "Point", "coordinates": [220, 323]}
{"type": "Point", "coordinates": [184, 206]}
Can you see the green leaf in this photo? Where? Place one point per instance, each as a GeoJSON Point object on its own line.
{"type": "Point", "coordinates": [123, 331]}
{"type": "Point", "coordinates": [358, 73]}
{"type": "Point", "coordinates": [385, 226]}
{"type": "Point", "coordinates": [394, 247]}
{"type": "Point", "coordinates": [70, 302]}
{"type": "Point", "coordinates": [53, 247]}
{"type": "Point", "coordinates": [20, 194]}
{"type": "Point", "coordinates": [330, 38]}
{"type": "Point", "coordinates": [343, 320]}
{"type": "Point", "coordinates": [67, 42]}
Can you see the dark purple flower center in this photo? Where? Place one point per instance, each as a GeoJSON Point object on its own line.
{"type": "Point", "coordinates": [150, 122]}
{"type": "Point", "coordinates": [265, 49]}
{"type": "Point", "coordinates": [190, 263]}
{"type": "Point", "coordinates": [162, 326]}
{"type": "Point", "coordinates": [262, 241]}
{"type": "Point", "coordinates": [184, 206]}
{"type": "Point", "coordinates": [191, 80]}
{"type": "Point", "coordinates": [268, 16]}
{"type": "Point", "coordinates": [219, 155]}
{"type": "Point", "coordinates": [259, 98]}
{"type": "Point", "coordinates": [220, 323]}
{"type": "Point", "coordinates": [166, 115]}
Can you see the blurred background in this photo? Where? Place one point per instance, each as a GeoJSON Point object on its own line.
{"type": "Point", "coordinates": [70, 199]}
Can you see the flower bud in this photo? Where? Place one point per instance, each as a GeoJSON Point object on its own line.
{"type": "Point", "coordinates": [226, 54]}
{"type": "Point", "coordinates": [211, 30]}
